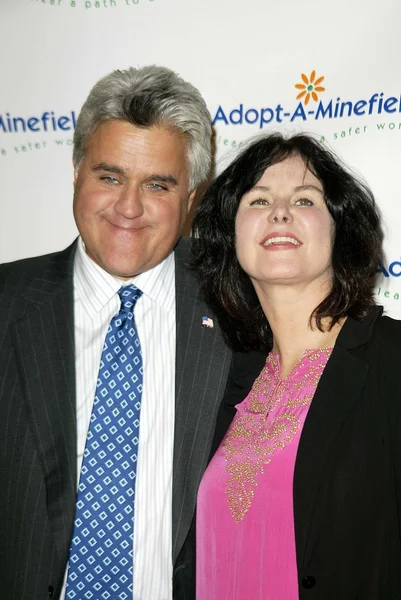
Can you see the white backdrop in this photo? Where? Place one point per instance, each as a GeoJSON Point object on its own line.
{"type": "Point", "coordinates": [246, 57]}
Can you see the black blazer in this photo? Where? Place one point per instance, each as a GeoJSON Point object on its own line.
{"type": "Point", "coordinates": [38, 423]}
{"type": "Point", "coordinates": [347, 481]}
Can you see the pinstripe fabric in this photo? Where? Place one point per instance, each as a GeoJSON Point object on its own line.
{"type": "Point", "coordinates": [202, 363]}
{"type": "Point", "coordinates": [38, 469]}
{"type": "Point", "coordinates": [37, 424]}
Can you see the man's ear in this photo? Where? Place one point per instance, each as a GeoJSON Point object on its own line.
{"type": "Point", "coordinates": [192, 204]}
{"type": "Point", "coordinates": [75, 167]}
{"type": "Point", "coordinates": [191, 198]}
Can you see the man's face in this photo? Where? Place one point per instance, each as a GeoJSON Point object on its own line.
{"type": "Point", "coordinates": [131, 196]}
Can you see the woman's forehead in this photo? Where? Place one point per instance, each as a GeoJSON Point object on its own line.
{"type": "Point", "coordinates": [292, 171]}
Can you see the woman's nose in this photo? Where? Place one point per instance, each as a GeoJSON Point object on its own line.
{"type": "Point", "coordinates": [280, 213]}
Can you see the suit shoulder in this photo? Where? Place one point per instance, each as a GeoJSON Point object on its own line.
{"type": "Point", "coordinates": [19, 272]}
{"type": "Point", "coordinates": [183, 254]}
{"type": "Point", "coordinates": [184, 246]}
{"type": "Point", "coordinates": [24, 265]}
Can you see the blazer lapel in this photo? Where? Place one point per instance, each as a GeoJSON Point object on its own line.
{"type": "Point", "coordinates": [337, 392]}
{"type": "Point", "coordinates": [44, 346]}
{"type": "Point", "coordinates": [202, 362]}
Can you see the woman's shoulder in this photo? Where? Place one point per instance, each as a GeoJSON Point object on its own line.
{"type": "Point", "coordinates": [384, 347]}
{"type": "Point", "coordinates": [389, 329]}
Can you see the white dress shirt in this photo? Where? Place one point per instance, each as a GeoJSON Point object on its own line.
{"type": "Point", "coordinates": [96, 301]}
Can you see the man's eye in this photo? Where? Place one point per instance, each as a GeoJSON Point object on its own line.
{"type": "Point", "coordinates": [157, 186]}
{"type": "Point", "coordinates": [304, 202]}
{"type": "Point", "coordinates": [259, 201]}
{"type": "Point", "coordinates": [109, 179]}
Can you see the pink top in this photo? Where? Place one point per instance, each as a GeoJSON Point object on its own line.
{"type": "Point", "coordinates": [245, 522]}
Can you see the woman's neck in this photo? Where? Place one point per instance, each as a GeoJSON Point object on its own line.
{"type": "Point", "coordinates": [288, 310]}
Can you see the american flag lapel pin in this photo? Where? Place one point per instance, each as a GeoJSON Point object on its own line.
{"type": "Point", "coordinates": [207, 322]}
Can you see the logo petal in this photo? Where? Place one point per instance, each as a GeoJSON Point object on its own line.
{"type": "Point", "coordinates": [309, 87]}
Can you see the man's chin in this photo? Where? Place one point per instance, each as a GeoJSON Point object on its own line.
{"type": "Point", "coordinates": [127, 270]}
{"type": "Point", "coordinates": [124, 272]}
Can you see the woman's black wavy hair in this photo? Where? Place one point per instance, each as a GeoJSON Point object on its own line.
{"type": "Point", "coordinates": [357, 247]}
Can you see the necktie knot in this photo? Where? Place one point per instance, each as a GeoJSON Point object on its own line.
{"type": "Point", "coordinates": [128, 296]}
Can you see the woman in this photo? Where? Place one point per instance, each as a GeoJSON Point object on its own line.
{"type": "Point", "coordinates": [302, 497]}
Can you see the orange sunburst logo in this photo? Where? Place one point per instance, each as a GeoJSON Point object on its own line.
{"type": "Point", "coordinates": [309, 87]}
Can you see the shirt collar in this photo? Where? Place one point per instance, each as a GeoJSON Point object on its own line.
{"type": "Point", "coordinates": [95, 287]}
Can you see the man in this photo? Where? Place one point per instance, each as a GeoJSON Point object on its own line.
{"type": "Point", "coordinates": [141, 148]}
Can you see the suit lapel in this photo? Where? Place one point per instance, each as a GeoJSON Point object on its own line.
{"type": "Point", "coordinates": [202, 362]}
{"type": "Point", "coordinates": [338, 390]}
{"type": "Point", "coordinates": [44, 347]}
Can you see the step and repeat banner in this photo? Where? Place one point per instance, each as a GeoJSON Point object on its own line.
{"type": "Point", "coordinates": [332, 69]}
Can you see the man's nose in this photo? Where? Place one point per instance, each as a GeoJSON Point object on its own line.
{"type": "Point", "coordinates": [129, 203]}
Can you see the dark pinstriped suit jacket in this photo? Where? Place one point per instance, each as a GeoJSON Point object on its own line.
{"type": "Point", "coordinates": [38, 422]}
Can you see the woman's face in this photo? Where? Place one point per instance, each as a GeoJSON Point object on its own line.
{"type": "Point", "coordinates": [284, 231]}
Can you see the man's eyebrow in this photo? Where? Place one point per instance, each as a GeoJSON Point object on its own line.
{"type": "Point", "coordinates": [110, 168]}
{"type": "Point", "coordinates": [164, 179]}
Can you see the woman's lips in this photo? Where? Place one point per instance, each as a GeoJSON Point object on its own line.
{"type": "Point", "coordinates": [280, 239]}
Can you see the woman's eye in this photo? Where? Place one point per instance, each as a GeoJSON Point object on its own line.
{"type": "Point", "coordinates": [304, 202]}
{"type": "Point", "coordinates": [258, 201]}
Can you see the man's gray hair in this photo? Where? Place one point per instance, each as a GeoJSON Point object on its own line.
{"type": "Point", "coordinates": [146, 97]}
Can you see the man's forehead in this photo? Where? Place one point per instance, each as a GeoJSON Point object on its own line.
{"type": "Point", "coordinates": [114, 135]}
{"type": "Point", "coordinates": [121, 127]}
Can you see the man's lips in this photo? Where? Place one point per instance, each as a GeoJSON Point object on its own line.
{"type": "Point", "coordinates": [130, 228]}
{"type": "Point", "coordinates": [282, 238]}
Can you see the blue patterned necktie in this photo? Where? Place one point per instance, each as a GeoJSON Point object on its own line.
{"type": "Point", "coordinates": [101, 555]}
